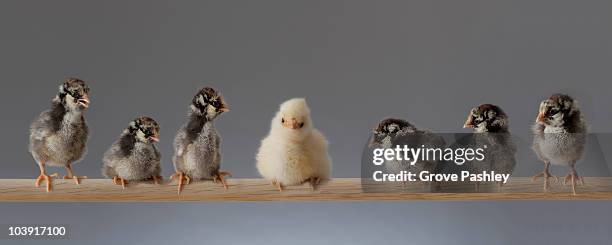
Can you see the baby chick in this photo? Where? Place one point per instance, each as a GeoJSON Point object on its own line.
{"type": "Point", "coordinates": [559, 137]}
{"type": "Point", "coordinates": [134, 157]}
{"type": "Point", "coordinates": [387, 129]}
{"type": "Point", "coordinates": [392, 132]}
{"type": "Point", "coordinates": [294, 151]}
{"type": "Point", "coordinates": [196, 145]}
{"type": "Point", "coordinates": [58, 137]}
{"type": "Point", "coordinates": [487, 118]}
{"type": "Point", "coordinates": [491, 127]}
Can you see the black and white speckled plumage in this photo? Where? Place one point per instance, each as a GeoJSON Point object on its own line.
{"type": "Point", "coordinates": [197, 144]}
{"type": "Point", "coordinates": [133, 156]}
{"type": "Point", "coordinates": [561, 137]}
{"type": "Point", "coordinates": [491, 128]}
{"type": "Point", "coordinates": [58, 137]}
{"type": "Point", "coordinates": [391, 132]}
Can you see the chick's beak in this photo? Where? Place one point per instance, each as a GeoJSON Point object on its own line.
{"type": "Point", "coordinates": [541, 117]}
{"type": "Point", "coordinates": [154, 138]}
{"type": "Point", "coordinates": [224, 109]}
{"type": "Point", "coordinates": [84, 101]}
{"type": "Point", "coordinates": [469, 123]}
{"type": "Point", "coordinates": [291, 124]}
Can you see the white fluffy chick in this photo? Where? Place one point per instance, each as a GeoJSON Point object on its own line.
{"type": "Point", "coordinates": [294, 152]}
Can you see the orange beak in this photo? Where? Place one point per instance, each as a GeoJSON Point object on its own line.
{"type": "Point", "coordinates": [541, 117]}
{"type": "Point", "coordinates": [84, 101]}
{"type": "Point", "coordinates": [468, 123]}
{"type": "Point", "coordinates": [291, 124]}
{"type": "Point", "coordinates": [224, 109]}
{"type": "Point", "coordinates": [155, 137]}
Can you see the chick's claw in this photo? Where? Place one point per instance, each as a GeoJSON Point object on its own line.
{"type": "Point", "coordinates": [120, 181]}
{"type": "Point", "coordinates": [220, 177]}
{"type": "Point", "coordinates": [47, 178]}
{"type": "Point", "coordinates": [77, 179]}
{"type": "Point", "coordinates": [116, 180]}
{"type": "Point", "coordinates": [180, 177]}
{"type": "Point", "coordinates": [70, 175]}
{"type": "Point", "coordinates": [546, 175]}
{"type": "Point", "coordinates": [278, 185]}
{"type": "Point", "coordinates": [573, 179]}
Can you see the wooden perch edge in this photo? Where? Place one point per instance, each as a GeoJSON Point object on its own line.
{"type": "Point", "coordinates": [340, 189]}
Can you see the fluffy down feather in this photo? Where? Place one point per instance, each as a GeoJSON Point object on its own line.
{"type": "Point", "coordinates": [197, 153]}
{"type": "Point", "coordinates": [292, 156]}
{"type": "Point", "coordinates": [134, 157]}
{"type": "Point", "coordinates": [58, 137]}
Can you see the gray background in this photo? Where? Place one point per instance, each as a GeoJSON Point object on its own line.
{"type": "Point", "coordinates": [355, 61]}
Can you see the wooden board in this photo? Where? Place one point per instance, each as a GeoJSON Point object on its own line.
{"type": "Point", "coordinates": [342, 189]}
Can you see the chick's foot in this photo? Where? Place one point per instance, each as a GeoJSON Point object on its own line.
{"type": "Point", "coordinates": [278, 185]}
{"type": "Point", "coordinates": [220, 177]}
{"type": "Point", "coordinates": [181, 177]}
{"type": "Point", "coordinates": [77, 179]}
{"type": "Point", "coordinates": [120, 181]}
{"type": "Point", "coordinates": [47, 178]}
{"type": "Point", "coordinates": [573, 178]}
{"type": "Point", "coordinates": [546, 175]}
{"type": "Point", "coordinates": [71, 175]}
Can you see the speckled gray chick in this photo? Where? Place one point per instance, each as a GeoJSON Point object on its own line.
{"type": "Point", "coordinates": [196, 146]}
{"type": "Point", "coordinates": [134, 157]}
{"type": "Point", "coordinates": [559, 137]}
{"type": "Point", "coordinates": [58, 137]}
{"type": "Point", "coordinates": [491, 129]}
{"type": "Point", "coordinates": [392, 132]}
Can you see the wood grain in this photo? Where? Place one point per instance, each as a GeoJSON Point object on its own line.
{"type": "Point", "coordinates": [343, 189]}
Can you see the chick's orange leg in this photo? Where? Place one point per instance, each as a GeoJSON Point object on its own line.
{"type": "Point", "coordinates": [573, 178]}
{"type": "Point", "coordinates": [220, 177]}
{"type": "Point", "coordinates": [72, 176]}
{"type": "Point", "coordinates": [180, 176]}
{"type": "Point", "coordinates": [120, 181]}
{"type": "Point", "coordinates": [43, 176]}
{"type": "Point", "coordinates": [546, 175]}
{"type": "Point", "coordinates": [278, 185]}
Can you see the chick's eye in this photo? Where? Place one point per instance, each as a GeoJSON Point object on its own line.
{"type": "Point", "coordinates": [282, 120]}
{"type": "Point", "coordinates": [301, 125]}
{"type": "Point", "coordinates": [553, 111]}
